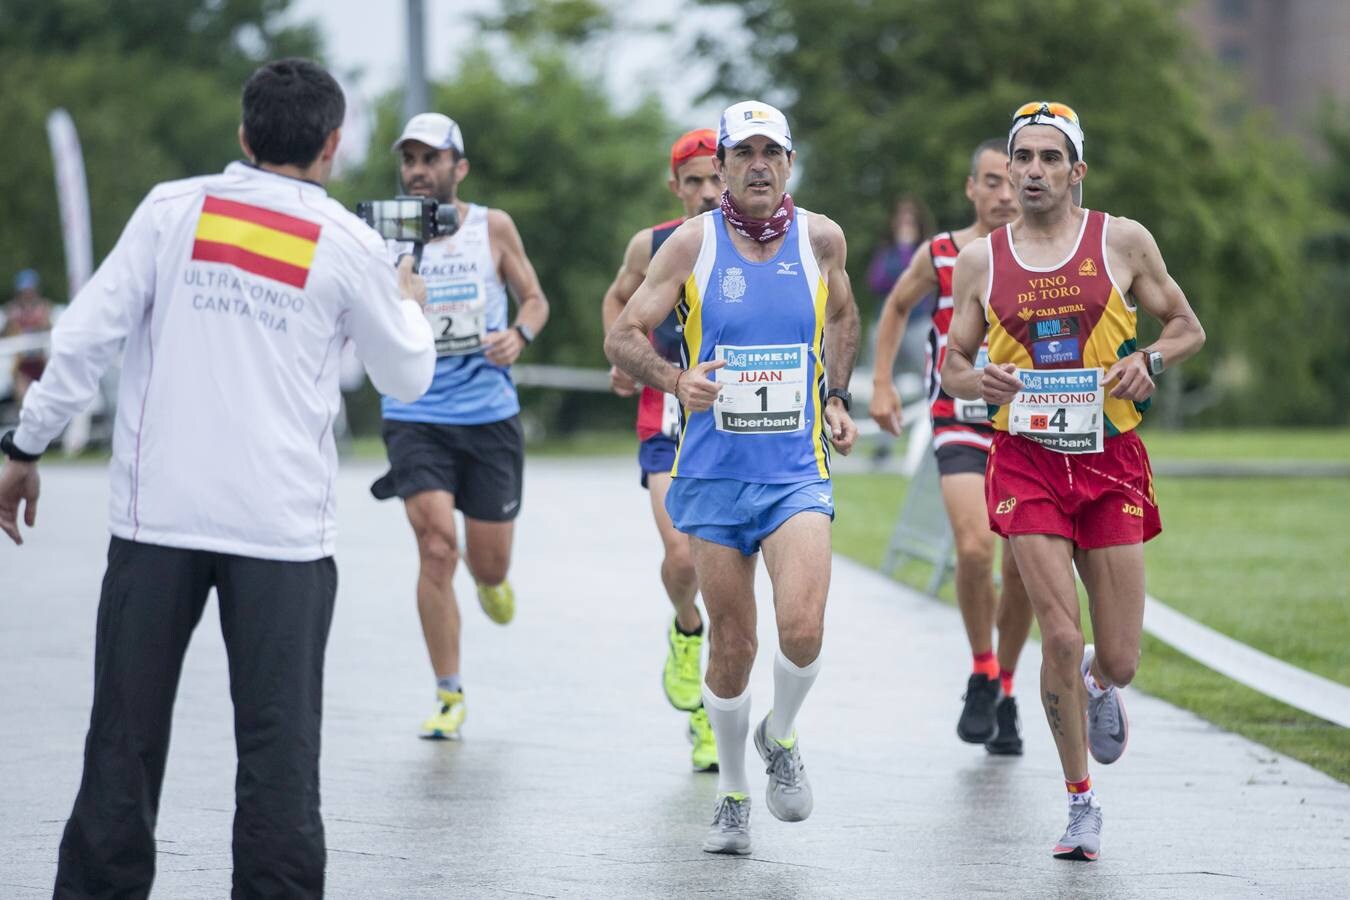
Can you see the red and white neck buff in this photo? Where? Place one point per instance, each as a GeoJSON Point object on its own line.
{"type": "Point", "coordinates": [762, 230]}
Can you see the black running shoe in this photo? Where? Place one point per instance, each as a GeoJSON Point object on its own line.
{"type": "Point", "coordinates": [977, 723]}
{"type": "Point", "coordinates": [1008, 739]}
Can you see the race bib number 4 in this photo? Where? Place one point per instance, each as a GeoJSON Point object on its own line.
{"type": "Point", "coordinates": [1060, 409]}
{"type": "Point", "coordinates": [764, 389]}
{"type": "Point", "coordinates": [458, 316]}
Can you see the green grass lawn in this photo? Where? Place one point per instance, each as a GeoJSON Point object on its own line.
{"type": "Point", "coordinates": [1308, 445]}
{"type": "Point", "coordinates": [1257, 559]}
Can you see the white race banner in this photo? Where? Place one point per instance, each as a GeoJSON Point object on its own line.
{"type": "Point", "coordinates": [72, 194]}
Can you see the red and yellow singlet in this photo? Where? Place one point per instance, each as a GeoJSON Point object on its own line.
{"type": "Point", "coordinates": [1068, 316]}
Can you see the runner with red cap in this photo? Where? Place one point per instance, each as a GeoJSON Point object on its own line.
{"type": "Point", "coordinates": [696, 183]}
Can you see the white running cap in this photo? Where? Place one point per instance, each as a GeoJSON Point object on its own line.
{"type": "Point", "coordinates": [751, 117]}
{"type": "Point", "coordinates": [434, 130]}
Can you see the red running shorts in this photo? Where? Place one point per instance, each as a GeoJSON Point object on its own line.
{"type": "Point", "coordinates": [1093, 499]}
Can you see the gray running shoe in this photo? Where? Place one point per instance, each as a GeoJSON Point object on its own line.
{"type": "Point", "coordinates": [788, 794]}
{"type": "Point", "coordinates": [1083, 838]}
{"type": "Point", "coordinates": [730, 832]}
{"type": "Point", "coordinates": [1108, 728]}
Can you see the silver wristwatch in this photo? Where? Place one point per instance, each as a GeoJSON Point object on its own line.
{"type": "Point", "coordinates": [1154, 359]}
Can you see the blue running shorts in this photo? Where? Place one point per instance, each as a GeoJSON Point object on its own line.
{"type": "Point", "coordinates": [656, 456]}
{"type": "Point", "coordinates": [742, 514]}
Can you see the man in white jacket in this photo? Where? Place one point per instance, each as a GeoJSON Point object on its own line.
{"type": "Point", "coordinates": [232, 295]}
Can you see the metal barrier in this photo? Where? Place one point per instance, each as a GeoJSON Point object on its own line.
{"type": "Point", "coordinates": [922, 530]}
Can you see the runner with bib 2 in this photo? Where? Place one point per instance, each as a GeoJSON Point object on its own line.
{"type": "Point", "coordinates": [460, 446]}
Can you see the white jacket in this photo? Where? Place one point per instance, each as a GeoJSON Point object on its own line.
{"type": "Point", "coordinates": [233, 295]}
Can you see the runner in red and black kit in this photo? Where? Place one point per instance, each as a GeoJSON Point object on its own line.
{"type": "Point", "coordinates": [695, 181]}
{"type": "Point", "coordinates": [961, 439]}
{"type": "Point", "coordinates": [961, 430]}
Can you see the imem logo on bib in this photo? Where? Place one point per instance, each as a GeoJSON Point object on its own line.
{"type": "Point", "coordinates": [1061, 410]}
{"type": "Point", "coordinates": [764, 388]}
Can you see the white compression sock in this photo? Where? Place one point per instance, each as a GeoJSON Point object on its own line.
{"type": "Point", "coordinates": [730, 720]}
{"type": "Point", "coordinates": [790, 684]}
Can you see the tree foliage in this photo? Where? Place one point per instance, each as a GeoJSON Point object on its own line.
{"type": "Point", "coordinates": [888, 96]}
{"type": "Point", "coordinates": [578, 177]}
{"type": "Point", "coordinates": [226, 37]}
{"type": "Point", "coordinates": [1329, 301]}
{"type": "Point", "coordinates": [153, 87]}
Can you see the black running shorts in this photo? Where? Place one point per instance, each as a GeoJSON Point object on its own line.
{"type": "Point", "coordinates": [482, 465]}
{"type": "Point", "coordinates": [957, 459]}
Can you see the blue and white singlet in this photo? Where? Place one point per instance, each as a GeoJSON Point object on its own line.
{"type": "Point", "coordinates": [767, 320]}
{"type": "Point", "coordinates": [466, 300]}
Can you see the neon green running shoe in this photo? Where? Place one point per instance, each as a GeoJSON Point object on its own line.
{"type": "Point", "coordinates": [704, 755]}
{"type": "Point", "coordinates": [682, 679]}
{"type": "Point", "coordinates": [444, 725]}
{"type": "Point", "coordinates": [498, 601]}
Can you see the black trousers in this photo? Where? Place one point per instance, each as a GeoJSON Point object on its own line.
{"type": "Point", "coordinates": [275, 618]}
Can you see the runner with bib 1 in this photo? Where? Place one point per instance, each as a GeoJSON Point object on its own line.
{"type": "Point", "coordinates": [1061, 410]}
{"type": "Point", "coordinates": [764, 389]}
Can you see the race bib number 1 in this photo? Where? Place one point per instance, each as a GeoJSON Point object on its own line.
{"type": "Point", "coordinates": [458, 316]}
{"type": "Point", "coordinates": [764, 389]}
{"type": "Point", "coordinates": [1060, 409]}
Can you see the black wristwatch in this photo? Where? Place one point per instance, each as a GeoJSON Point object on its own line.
{"type": "Point", "coordinates": [8, 448]}
{"type": "Point", "coordinates": [842, 395]}
{"type": "Point", "coordinates": [1154, 360]}
{"type": "Point", "coordinates": [525, 333]}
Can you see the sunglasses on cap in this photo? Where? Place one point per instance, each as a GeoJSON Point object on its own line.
{"type": "Point", "coordinates": [1042, 108]}
{"type": "Point", "coordinates": [692, 142]}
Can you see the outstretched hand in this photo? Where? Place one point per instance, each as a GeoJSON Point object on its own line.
{"type": "Point", "coordinates": [885, 408]}
{"type": "Point", "coordinates": [18, 481]}
{"type": "Point", "coordinates": [843, 431]}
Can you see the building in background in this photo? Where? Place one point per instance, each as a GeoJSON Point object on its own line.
{"type": "Point", "coordinates": [1289, 54]}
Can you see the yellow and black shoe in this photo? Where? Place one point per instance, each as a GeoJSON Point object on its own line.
{"type": "Point", "coordinates": [444, 725]}
{"type": "Point", "coordinates": [682, 678]}
{"type": "Point", "coordinates": [704, 755]}
{"type": "Point", "coordinates": [498, 601]}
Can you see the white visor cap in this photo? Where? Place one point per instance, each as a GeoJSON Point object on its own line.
{"type": "Point", "coordinates": [751, 117]}
{"type": "Point", "coordinates": [1067, 127]}
{"type": "Point", "coordinates": [434, 130]}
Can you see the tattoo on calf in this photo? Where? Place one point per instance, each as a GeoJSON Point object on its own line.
{"type": "Point", "coordinates": [1052, 712]}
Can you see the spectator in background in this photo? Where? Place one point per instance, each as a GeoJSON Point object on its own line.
{"type": "Point", "coordinates": [27, 312]}
{"type": "Point", "coordinates": [911, 224]}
